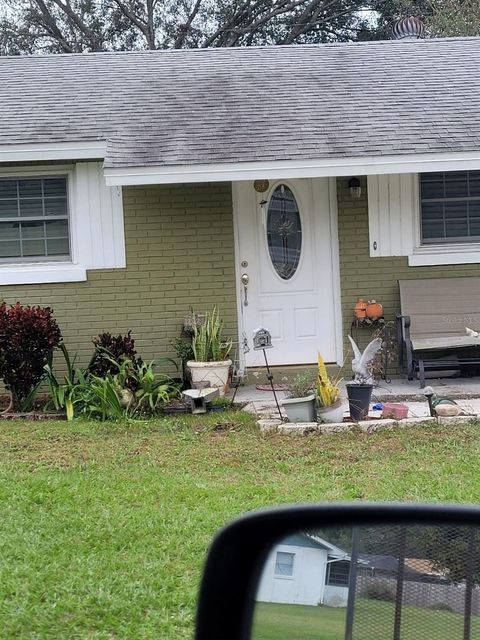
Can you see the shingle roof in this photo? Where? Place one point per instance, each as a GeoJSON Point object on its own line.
{"type": "Point", "coordinates": [250, 104]}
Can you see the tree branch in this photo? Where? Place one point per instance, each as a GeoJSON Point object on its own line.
{"type": "Point", "coordinates": [185, 28]}
{"type": "Point", "coordinates": [93, 38]}
{"type": "Point", "coordinates": [50, 25]}
{"type": "Point", "coordinates": [142, 25]}
{"type": "Point", "coordinates": [235, 28]}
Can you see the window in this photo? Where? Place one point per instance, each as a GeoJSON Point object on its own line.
{"type": "Point", "coordinates": [284, 564]}
{"type": "Point", "coordinates": [284, 232]}
{"type": "Point", "coordinates": [450, 206]}
{"type": "Point", "coordinates": [34, 219]}
{"type": "Point", "coordinates": [338, 573]}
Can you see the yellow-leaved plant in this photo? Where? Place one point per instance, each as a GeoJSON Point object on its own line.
{"type": "Point", "coordinates": [328, 389]}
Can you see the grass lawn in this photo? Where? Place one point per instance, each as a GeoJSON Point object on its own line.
{"type": "Point", "coordinates": [374, 620]}
{"type": "Point", "coordinates": [104, 528]}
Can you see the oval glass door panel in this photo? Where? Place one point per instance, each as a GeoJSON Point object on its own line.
{"type": "Point", "coordinates": [284, 232]}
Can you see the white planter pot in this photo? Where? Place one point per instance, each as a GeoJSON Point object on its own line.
{"type": "Point", "coordinates": [300, 409]}
{"type": "Point", "coordinates": [216, 373]}
{"type": "Point", "coordinates": [333, 413]}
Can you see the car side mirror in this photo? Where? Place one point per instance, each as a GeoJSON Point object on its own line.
{"type": "Point", "coordinates": [389, 571]}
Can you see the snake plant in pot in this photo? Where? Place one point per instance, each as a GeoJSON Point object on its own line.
{"type": "Point", "coordinates": [210, 366]}
{"type": "Point", "coordinates": [330, 408]}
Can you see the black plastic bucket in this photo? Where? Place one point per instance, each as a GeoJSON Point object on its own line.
{"type": "Point", "coordinates": [359, 396]}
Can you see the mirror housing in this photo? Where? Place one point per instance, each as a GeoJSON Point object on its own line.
{"type": "Point", "coordinates": [236, 558]}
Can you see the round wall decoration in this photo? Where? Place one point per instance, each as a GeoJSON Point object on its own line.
{"type": "Point", "coordinates": [261, 185]}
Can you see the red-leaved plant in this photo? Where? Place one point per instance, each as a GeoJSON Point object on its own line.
{"type": "Point", "coordinates": [110, 352]}
{"type": "Point", "coordinates": [27, 337]}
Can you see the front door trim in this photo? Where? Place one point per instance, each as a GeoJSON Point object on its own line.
{"type": "Point", "coordinates": [335, 270]}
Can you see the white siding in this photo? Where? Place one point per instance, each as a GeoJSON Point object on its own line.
{"type": "Point", "coordinates": [335, 596]}
{"type": "Point", "coordinates": [307, 584]}
{"type": "Point", "coordinates": [97, 219]}
{"type": "Point", "coordinates": [393, 213]}
{"type": "Point", "coordinates": [97, 234]}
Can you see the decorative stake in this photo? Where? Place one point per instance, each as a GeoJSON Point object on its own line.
{"type": "Point", "coordinates": [262, 339]}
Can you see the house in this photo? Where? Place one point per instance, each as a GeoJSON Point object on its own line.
{"type": "Point", "coordinates": [134, 185]}
{"type": "Point", "coordinates": [305, 569]}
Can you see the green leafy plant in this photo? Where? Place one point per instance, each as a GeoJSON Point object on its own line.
{"type": "Point", "coordinates": [63, 395]}
{"type": "Point", "coordinates": [208, 343]}
{"type": "Point", "coordinates": [28, 336]}
{"type": "Point", "coordinates": [110, 352]}
{"type": "Point", "coordinates": [153, 389]}
{"type": "Point", "coordinates": [183, 349]}
{"type": "Point", "coordinates": [221, 401]}
{"type": "Point", "coordinates": [328, 389]}
{"type": "Point", "coordinates": [100, 399]}
{"type": "Point", "coordinates": [301, 386]}
{"type": "Point", "coordinates": [128, 387]}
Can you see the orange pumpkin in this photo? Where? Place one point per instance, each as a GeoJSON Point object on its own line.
{"type": "Point", "coordinates": [360, 308]}
{"type": "Point", "coordinates": [374, 310]}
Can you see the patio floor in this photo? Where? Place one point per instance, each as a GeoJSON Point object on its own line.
{"type": "Point", "coordinates": [466, 391]}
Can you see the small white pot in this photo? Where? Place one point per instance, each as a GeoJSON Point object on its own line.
{"type": "Point", "coordinates": [300, 409]}
{"type": "Point", "coordinates": [333, 413]}
{"type": "Point", "coordinates": [216, 373]}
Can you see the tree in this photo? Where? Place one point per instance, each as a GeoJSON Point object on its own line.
{"type": "Point", "coordinates": [389, 11]}
{"type": "Point", "coordinates": [454, 18]}
{"type": "Point", "coordinates": [442, 18]}
{"type": "Point", "coordinates": [69, 26]}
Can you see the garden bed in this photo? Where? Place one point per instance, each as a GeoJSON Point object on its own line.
{"type": "Point", "coordinates": [32, 415]}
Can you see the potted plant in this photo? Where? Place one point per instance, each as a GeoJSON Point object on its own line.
{"type": "Point", "coordinates": [359, 391]}
{"type": "Point", "coordinates": [210, 366]}
{"type": "Point", "coordinates": [328, 394]}
{"type": "Point", "coordinates": [299, 403]}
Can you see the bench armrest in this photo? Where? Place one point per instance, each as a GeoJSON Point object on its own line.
{"type": "Point", "coordinates": [404, 344]}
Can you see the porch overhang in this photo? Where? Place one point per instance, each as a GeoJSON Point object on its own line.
{"type": "Point", "coordinates": [283, 169]}
{"type": "Point", "coordinates": [52, 151]}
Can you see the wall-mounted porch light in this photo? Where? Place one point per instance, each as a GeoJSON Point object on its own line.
{"type": "Point", "coordinates": [355, 188]}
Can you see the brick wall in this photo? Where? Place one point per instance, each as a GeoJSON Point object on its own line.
{"type": "Point", "coordinates": [374, 278]}
{"type": "Point", "coordinates": [180, 253]}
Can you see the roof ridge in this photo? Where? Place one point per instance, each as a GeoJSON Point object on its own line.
{"type": "Point", "coordinates": [223, 50]}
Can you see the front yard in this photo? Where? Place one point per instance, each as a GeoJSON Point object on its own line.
{"type": "Point", "coordinates": [104, 527]}
{"type": "Point", "coordinates": [374, 620]}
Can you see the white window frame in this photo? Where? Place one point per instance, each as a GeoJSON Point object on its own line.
{"type": "Point", "coordinates": [64, 258]}
{"type": "Point", "coordinates": [283, 576]}
{"type": "Point", "coordinates": [44, 270]}
{"type": "Point", "coordinates": [443, 253]}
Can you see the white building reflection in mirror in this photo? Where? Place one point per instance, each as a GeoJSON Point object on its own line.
{"type": "Point", "coordinates": [305, 569]}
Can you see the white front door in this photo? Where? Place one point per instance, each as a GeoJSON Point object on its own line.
{"type": "Point", "coordinates": [287, 269]}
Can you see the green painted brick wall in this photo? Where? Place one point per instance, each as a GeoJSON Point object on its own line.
{"type": "Point", "coordinates": [180, 253]}
{"type": "Point", "coordinates": [374, 278]}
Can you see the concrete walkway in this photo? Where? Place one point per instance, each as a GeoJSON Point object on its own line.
{"type": "Point", "coordinates": [466, 391]}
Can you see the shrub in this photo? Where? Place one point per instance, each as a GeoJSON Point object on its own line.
{"type": "Point", "coordinates": [109, 353]}
{"type": "Point", "coordinates": [301, 386]}
{"type": "Point", "coordinates": [183, 349]}
{"type": "Point", "coordinates": [28, 336]}
{"type": "Point", "coordinates": [378, 591]}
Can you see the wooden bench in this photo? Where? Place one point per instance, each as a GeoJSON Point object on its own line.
{"type": "Point", "coordinates": [431, 327]}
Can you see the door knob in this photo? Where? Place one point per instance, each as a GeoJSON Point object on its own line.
{"type": "Point", "coordinates": [245, 279]}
